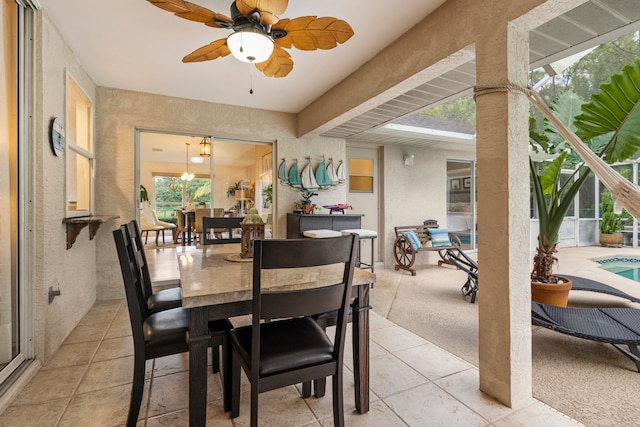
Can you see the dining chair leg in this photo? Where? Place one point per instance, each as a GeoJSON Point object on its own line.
{"type": "Point", "coordinates": [226, 377]}
{"type": "Point", "coordinates": [338, 404]}
{"type": "Point", "coordinates": [306, 389]}
{"type": "Point", "coordinates": [254, 405]}
{"type": "Point", "coordinates": [320, 386]}
{"type": "Point", "coordinates": [137, 389]}
{"type": "Point", "coordinates": [215, 358]}
{"type": "Point", "coordinates": [234, 384]}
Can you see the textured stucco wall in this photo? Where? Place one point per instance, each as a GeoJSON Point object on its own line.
{"type": "Point", "coordinates": [73, 270]}
{"type": "Point", "coordinates": [414, 193]}
{"type": "Point", "coordinates": [120, 112]}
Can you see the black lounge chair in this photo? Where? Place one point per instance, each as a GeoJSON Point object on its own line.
{"type": "Point", "coordinates": [461, 260]}
{"type": "Point", "coordinates": [615, 326]}
{"type": "Point", "coordinates": [582, 284]}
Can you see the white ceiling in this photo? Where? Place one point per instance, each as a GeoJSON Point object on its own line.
{"type": "Point", "coordinates": [134, 45]}
{"type": "Point", "coordinates": [158, 147]}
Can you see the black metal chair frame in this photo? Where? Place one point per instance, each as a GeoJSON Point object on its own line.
{"type": "Point", "coordinates": [293, 349]}
{"type": "Point", "coordinates": [158, 334]}
{"type": "Point", "coordinates": [459, 259]}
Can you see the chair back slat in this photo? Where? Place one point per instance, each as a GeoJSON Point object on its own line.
{"type": "Point", "coordinates": [140, 257]}
{"type": "Point", "coordinates": [136, 302]}
{"type": "Point", "coordinates": [298, 253]}
{"type": "Point", "coordinates": [301, 303]}
{"type": "Point", "coordinates": [215, 229]}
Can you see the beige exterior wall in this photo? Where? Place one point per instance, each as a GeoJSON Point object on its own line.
{"type": "Point", "coordinates": [414, 193]}
{"type": "Point", "coordinates": [120, 113]}
{"type": "Point", "coordinates": [73, 270]}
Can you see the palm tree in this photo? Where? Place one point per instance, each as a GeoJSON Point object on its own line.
{"type": "Point", "coordinates": [610, 125]}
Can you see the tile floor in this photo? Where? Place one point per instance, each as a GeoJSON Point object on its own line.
{"type": "Point", "coordinates": [413, 383]}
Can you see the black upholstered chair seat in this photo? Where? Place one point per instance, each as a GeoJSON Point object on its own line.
{"type": "Point", "coordinates": [165, 299]}
{"type": "Point", "coordinates": [166, 326]}
{"type": "Point", "coordinates": [286, 345]}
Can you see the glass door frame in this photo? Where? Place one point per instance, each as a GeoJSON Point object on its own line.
{"type": "Point", "coordinates": [471, 186]}
{"type": "Point", "coordinates": [25, 244]}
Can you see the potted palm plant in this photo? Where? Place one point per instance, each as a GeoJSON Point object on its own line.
{"type": "Point", "coordinates": [610, 223]}
{"type": "Point", "coordinates": [610, 125]}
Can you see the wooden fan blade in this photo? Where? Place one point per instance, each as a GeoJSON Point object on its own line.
{"type": "Point", "coordinates": [312, 33]}
{"type": "Point", "coordinates": [278, 65]}
{"type": "Point", "coordinates": [269, 9]}
{"type": "Point", "coordinates": [192, 12]}
{"type": "Point", "coordinates": [213, 50]}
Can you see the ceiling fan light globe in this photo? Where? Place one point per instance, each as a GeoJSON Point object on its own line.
{"type": "Point", "coordinates": [250, 45]}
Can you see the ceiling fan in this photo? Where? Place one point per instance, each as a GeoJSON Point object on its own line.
{"type": "Point", "coordinates": [259, 36]}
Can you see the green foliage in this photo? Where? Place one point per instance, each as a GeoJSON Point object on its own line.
{"type": "Point", "coordinates": [615, 110]}
{"type": "Point", "coordinates": [231, 190]}
{"type": "Point", "coordinates": [461, 110]}
{"type": "Point", "coordinates": [611, 221]}
{"type": "Point", "coordinates": [609, 125]}
{"type": "Point", "coordinates": [144, 195]}
{"type": "Point", "coordinates": [267, 193]}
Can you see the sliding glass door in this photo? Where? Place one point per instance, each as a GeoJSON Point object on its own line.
{"type": "Point", "coordinates": [461, 206]}
{"type": "Point", "coordinates": [13, 148]}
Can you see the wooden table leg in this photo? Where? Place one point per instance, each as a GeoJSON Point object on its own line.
{"type": "Point", "coordinates": [361, 348]}
{"type": "Point", "coordinates": [198, 339]}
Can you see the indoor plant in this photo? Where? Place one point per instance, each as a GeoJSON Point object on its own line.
{"type": "Point", "coordinates": [610, 223]}
{"type": "Point", "coordinates": [610, 125]}
{"type": "Point", "coordinates": [267, 193]}
{"type": "Point", "coordinates": [144, 195]}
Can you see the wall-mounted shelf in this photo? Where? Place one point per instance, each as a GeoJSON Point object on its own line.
{"type": "Point", "coordinates": [76, 224]}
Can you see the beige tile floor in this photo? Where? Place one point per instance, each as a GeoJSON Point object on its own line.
{"type": "Point", "coordinates": [413, 383]}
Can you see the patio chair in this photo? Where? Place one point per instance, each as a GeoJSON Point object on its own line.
{"type": "Point", "coordinates": [583, 284]}
{"type": "Point", "coordinates": [615, 326]}
{"type": "Point", "coordinates": [458, 258]}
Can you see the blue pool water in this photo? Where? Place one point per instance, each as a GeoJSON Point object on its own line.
{"type": "Point", "coordinates": [628, 267]}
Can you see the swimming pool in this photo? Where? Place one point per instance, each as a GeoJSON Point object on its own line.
{"type": "Point", "coordinates": [628, 267]}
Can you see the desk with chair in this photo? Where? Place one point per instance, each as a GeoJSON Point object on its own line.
{"type": "Point", "coordinates": [213, 288]}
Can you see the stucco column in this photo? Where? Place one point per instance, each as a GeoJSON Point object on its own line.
{"type": "Point", "coordinates": [503, 217]}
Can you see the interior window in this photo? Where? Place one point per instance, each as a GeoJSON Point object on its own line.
{"type": "Point", "coordinates": [361, 176]}
{"type": "Point", "coordinates": [79, 144]}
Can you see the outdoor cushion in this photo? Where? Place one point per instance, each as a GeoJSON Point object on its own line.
{"type": "Point", "coordinates": [321, 234]}
{"type": "Point", "coordinates": [439, 237]}
{"type": "Point", "coordinates": [413, 239]}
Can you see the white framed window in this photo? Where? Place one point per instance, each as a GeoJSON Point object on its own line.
{"type": "Point", "coordinates": [79, 151]}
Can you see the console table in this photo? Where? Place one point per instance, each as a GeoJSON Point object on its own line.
{"type": "Point", "coordinates": [299, 223]}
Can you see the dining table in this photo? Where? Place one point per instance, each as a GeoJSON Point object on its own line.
{"type": "Point", "coordinates": [215, 288]}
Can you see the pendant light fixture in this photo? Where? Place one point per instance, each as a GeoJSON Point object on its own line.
{"type": "Point", "coordinates": [205, 147]}
{"type": "Point", "coordinates": [187, 176]}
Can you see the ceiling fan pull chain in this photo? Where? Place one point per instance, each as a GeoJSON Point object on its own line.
{"type": "Point", "coordinates": [250, 80]}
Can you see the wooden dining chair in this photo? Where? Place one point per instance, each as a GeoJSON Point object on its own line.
{"type": "Point", "coordinates": [200, 213]}
{"type": "Point", "coordinates": [157, 334]}
{"type": "Point", "coordinates": [181, 228]}
{"type": "Point", "coordinates": [294, 348]}
{"type": "Point", "coordinates": [156, 301]}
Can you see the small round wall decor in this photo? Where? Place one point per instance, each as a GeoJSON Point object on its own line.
{"type": "Point", "coordinates": [56, 136]}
